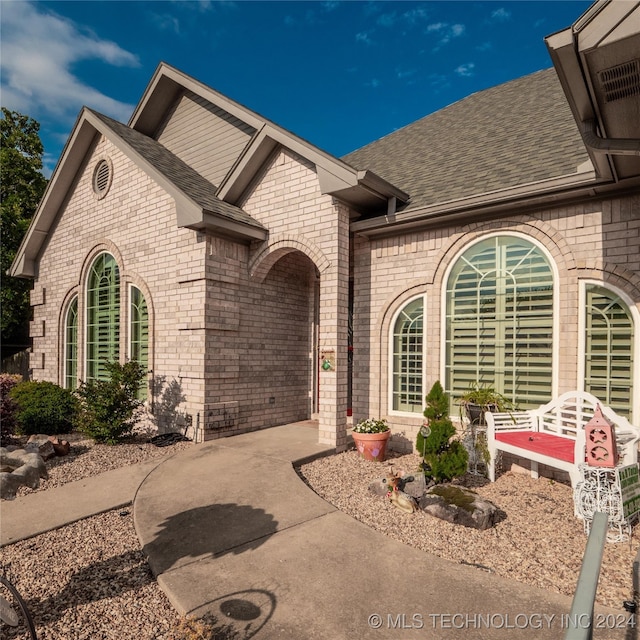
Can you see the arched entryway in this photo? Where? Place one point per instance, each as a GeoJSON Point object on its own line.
{"type": "Point", "coordinates": [283, 349]}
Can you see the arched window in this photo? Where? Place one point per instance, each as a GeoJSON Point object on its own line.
{"type": "Point", "coordinates": [608, 348]}
{"type": "Point", "coordinates": [407, 360]}
{"type": "Point", "coordinates": [499, 320]}
{"type": "Point", "coordinates": [139, 332]}
{"type": "Point", "coordinates": [103, 315]}
{"type": "Point", "coordinates": [71, 345]}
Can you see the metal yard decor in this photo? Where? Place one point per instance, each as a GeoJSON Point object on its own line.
{"type": "Point", "coordinates": [601, 441]}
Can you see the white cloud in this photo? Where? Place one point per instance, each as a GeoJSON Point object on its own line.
{"type": "Point", "coordinates": [166, 22]}
{"type": "Point", "coordinates": [446, 32]}
{"type": "Point", "coordinates": [465, 70]}
{"type": "Point", "coordinates": [501, 14]}
{"type": "Point", "coordinates": [39, 50]}
{"type": "Point", "coordinates": [363, 37]}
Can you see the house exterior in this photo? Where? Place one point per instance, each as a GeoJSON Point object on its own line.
{"type": "Point", "coordinates": [263, 281]}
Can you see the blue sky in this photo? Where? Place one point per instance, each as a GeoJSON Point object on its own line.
{"type": "Point", "coordinates": [339, 74]}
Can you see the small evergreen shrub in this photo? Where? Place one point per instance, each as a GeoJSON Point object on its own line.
{"type": "Point", "coordinates": [8, 406]}
{"type": "Point", "coordinates": [108, 408]}
{"type": "Point", "coordinates": [43, 407]}
{"type": "Point", "coordinates": [444, 458]}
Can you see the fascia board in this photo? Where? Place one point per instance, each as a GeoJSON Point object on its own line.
{"type": "Point", "coordinates": [334, 175]}
{"type": "Point", "coordinates": [253, 156]}
{"type": "Point", "coordinates": [82, 137]}
{"type": "Point", "coordinates": [567, 65]}
{"type": "Point", "coordinates": [463, 206]}
{"type": "Point", "coordinates": [597, 26]}
{"type": "Point", "coordinates": [166, 72]}
{"type": "Point", "coordinates": [227, 227]}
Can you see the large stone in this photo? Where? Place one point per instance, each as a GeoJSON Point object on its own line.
{"type": "Point", "coordinates": [41, 444]}
{"type": "Point", "coordinates": [20, 468]}
{"type": "Point", "coordinates": [459, 505]}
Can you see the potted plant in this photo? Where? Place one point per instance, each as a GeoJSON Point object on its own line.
{"type": "Point", "coordinates": [479, 399]}
{"type": "Point", "coordinates": [474, 403]}
{"type": "Point", "coordinates": [370, 437]}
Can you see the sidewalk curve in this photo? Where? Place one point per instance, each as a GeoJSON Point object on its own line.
{"type": "Point", "coordinates": [229, 529]}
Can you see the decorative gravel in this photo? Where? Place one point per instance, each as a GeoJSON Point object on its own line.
{"type": "Point", "coordinates": [90, 580]}
{"type": "Point", "coordinates": [540, 542]}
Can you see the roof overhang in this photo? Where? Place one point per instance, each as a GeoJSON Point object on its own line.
{"type": "Point", "coordinates": [85, 134]}
{"type": "Point", "coordinates": [556, 192]}
{"type": "Point", "coordinates": [598, 63]}
{"type": "Point", "coordinates": [362, 191]}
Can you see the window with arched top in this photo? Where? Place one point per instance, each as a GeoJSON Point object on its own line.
{"type": "Point", "coordinates": [103, 316]}
{"type": "Point", "coordinates": [499, 320]}
{"type": "Point", "coordinates": [609, 348]}
{"type": "Point", "coordinates": [407, 358]}
{"type": "Point", "coordinates": [139, 332]}
{"type": "Point", "coordinates": [71, 345]}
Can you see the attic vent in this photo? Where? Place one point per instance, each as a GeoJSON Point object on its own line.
{"type": "Point", "coordinates": [621, 82]}
{"type": "Point", "coordinates": [102, 178]}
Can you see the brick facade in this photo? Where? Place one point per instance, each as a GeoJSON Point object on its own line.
{"type": "Point", "coordinates": [597, 241]}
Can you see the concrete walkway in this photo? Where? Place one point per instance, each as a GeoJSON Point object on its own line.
{"type": "Point", "coordinates": [230, 530]}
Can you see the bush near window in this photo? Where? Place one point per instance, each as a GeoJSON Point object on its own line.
{"type": "Point", "coordinates": [8, 406]}
{"type": "Point", "coordinates": [43, 407]}
{"type": "Point", "coordinates": [109, 408]}
{"type": "Point", "coordinates": [443, 457]}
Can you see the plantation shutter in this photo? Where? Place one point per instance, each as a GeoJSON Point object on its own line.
{"type": "Point", "coordinates": [103, 316]}
{"type": "Point", "coordinates": [407, 358]}
{"type": "Point", "coordinates": [500, 321]}
{"type": "Point", "coordinates": [139, 343]}
{"type": "Point", "coordinates": [71, 346]}
{"type": "Point", "coordinates": [609, 342]}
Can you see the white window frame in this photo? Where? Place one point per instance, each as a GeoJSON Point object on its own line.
{"type": "Point", "coordinates": [65, 340]}
{"type": "Point", "coordinates": [85, 314]}
{"type": "Point", "coordinates": [390, 373]}
{"type": "Point", "coordinates": [582, 329]}
{"type": "Point", "coordinates": [557, 294]}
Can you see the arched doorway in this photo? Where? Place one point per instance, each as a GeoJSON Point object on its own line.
{"type": "Point", "coordinates": [282, 351]}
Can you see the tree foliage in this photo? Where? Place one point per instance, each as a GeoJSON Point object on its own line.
{"type": "Point", "coordinates": [444, 457]}
{"type": "Point", "coordinates": [21, 188]}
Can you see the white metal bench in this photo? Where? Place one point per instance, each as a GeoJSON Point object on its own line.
{"type": "Point", "coordinates": [554, 434]}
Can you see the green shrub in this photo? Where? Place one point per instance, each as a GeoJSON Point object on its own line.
{"type": "Point", "coordinates": [108, 408]}
{"type": "Point", "coordinates": [443, 457]}
{"type": "Point", "coordinates": [8, 407]}
{"type": "Point", "coordinates": [43, 407]}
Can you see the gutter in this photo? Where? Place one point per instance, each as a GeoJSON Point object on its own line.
{"type": "Point", "coordinates": [612, 146]}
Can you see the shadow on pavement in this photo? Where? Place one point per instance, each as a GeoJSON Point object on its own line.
{"type": "Point", "coordinates": [210, 531]}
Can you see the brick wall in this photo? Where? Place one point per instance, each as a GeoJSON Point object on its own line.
{"type": "Point", "coordinates": [136, 222]}
{"type": "Point", "coordinates": [594, 240]}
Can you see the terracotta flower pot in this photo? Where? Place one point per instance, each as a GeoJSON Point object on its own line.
{"type": "Point", "coordinates": [372, 446]}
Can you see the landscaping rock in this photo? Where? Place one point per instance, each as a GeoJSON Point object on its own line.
{"type": "Point", "coordinates": [417, 487]}
{"type": "Point", "coordinates": [20, 467]}
{"type": "Point", "coordinates": [61, 447]}
{"type": "Point", "coordinates": [48, 446]}
{"type": "Point", "coordinates": [459, 505]}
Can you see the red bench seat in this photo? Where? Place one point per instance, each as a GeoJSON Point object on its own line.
{"type": "Point", "coordinates": [544, 443]}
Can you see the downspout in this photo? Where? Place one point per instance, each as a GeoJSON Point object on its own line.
{"type": "Point", "coordinates": [613, 146]}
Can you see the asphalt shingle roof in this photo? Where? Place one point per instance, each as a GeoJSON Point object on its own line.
{"type": "Point", "coordinates": [509, 135]}
{"type": "Point", "coordinates": [186, 179]}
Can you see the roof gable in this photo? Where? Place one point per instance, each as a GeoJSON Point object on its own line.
{"type": "Point", "coordinates": [197, 205]}
{"type": "Point", "coordinates": [230, 120]}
